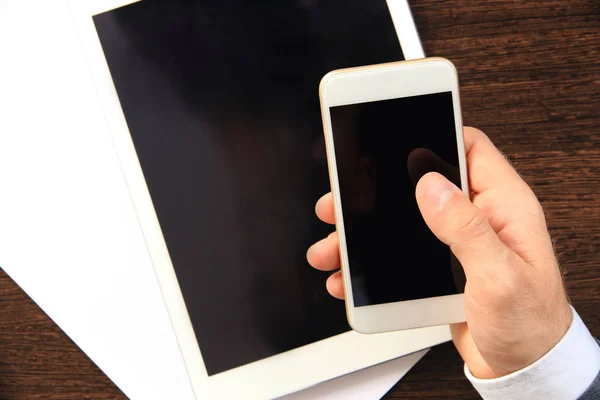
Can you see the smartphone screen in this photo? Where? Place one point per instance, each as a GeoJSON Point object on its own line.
{"type": "Point", "coordinates": [382, 149]}
{"type": "Point", "coordinates": [221, 100]}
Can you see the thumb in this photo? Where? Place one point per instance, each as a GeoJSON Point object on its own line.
{"type": "Point", "coordinates": [458, 223]}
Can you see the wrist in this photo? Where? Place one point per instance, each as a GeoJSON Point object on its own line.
{"type": "Point", "coordinates": [527, 346]}
{"type": "Point", "coordinates": [550, 331]}
{"type": "Point", "coordinates": [564, 373]}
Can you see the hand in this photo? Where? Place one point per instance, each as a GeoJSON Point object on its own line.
{"type": "Point", "coordinates": [515, 302]}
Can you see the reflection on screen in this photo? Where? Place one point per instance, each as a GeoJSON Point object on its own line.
{"type": "Point", "coordinates": [382, 150]}
{"type": "Point", "coordinates": [221, 99]}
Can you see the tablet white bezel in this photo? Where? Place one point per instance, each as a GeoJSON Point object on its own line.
{"type": "Point", "coordinates": [270, 377]}
{"type": "Point", "coordinates": [384, 82]}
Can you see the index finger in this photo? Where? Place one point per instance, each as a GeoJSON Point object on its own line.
{"type": "Point", "coordinates": [488, 168]}
{"type": "Point", "coordinates": [324, 209]}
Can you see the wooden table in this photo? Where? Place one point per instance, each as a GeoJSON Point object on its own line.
{"type": "Point", "coordinates": [530, 78]}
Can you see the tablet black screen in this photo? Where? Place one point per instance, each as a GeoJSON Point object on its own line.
{"type": "Point", "coordinates": [221, 100]}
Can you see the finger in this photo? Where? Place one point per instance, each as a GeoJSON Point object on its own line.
{"type": "Point", "coordinates": [335, 285]}
{"type": "Point", "coordinates": [325, 254]}
{"type": "Point", "coordinates": [324, 209]}
{"type": "Point", "coordinates": [507, 200]}
{"type": "Point", "coordinates": [457, 222]}
{"type": "Point", "coordinates": [421, 161]}
{"type": "Point", "coordinates": [487, 167]}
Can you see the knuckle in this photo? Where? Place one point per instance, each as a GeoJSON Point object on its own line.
{"type": "Point", "coordinates": [511, 285]}
{"type": "Point", "coordinates": [476, 132]}
{"type": "Point", "coordinates": [537, 212]}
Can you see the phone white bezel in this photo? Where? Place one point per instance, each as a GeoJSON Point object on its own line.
{"type": "Point", "coordinates": [384, 82]}
{"type": "Point", "coordinates": [270, 377]}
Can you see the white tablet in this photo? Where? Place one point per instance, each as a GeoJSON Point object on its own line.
{"type": "Point", "coordinates": [213, 109]}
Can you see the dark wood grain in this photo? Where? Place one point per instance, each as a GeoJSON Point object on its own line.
{"type": "Point", "coordinates": [530, 78]}
{"type": "Point", "coordinates": [37, 360]}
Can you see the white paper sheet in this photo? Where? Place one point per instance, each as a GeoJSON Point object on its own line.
{"type": "Point", "coordinates": [68, 231]}
{"type": "Point", "coordinates": [370, 383]}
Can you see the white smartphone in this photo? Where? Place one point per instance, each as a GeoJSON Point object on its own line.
{"type": "Point", "coordinates": [385, 127]}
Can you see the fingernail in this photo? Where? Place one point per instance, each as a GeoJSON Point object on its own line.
{"type": "Point", "coordinates": [440, 191]}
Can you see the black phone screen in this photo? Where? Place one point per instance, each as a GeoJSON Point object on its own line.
{"type": "Point", "coordinates": [221, 100]}
{"type": "Point", "coordinates": [382, 149]}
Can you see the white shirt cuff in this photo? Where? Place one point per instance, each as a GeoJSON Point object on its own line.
{"type": "Point", "coordinates": [564, 373]}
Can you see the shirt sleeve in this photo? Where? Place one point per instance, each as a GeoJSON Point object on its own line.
{"type": "Point", "coordinates": [564, 373]}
